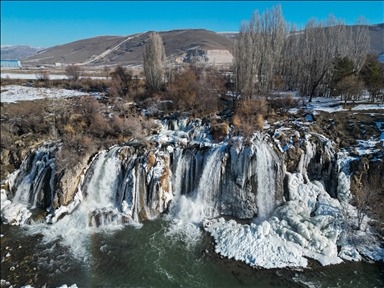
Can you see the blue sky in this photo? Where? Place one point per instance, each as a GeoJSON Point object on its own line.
{"type": "Point", "coordinates": [50, 23]}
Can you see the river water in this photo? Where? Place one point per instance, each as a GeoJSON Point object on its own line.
{"type": "Point", "coordinates": [156, 255]}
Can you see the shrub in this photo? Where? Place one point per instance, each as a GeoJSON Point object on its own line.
{"type": "Point", "coordinates": [121, 81]}
{"type": "Point", "coordinates": [196, 91]}
{"type": "Point", "coordinates": [43, 77]}
{"type": "Point", "coordinates": [100, 127]}
{"type": "Point", "coordinates": [87, 106]}
{"type": "Point", "coordinates": [29, 116]}
{"type": "Point", "coordinates": [249, 116]}
{"type": "Point", "coordinates": [69, 129]}
{"type": "Point", "coordinates": [74, 73]}
{"type": "Point", "coordinates": [74, 147]}
{"type": "Point", "coordinates": [283, 102]}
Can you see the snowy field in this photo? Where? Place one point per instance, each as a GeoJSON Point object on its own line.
{"type": "Point", "coordinates": [332, 105]}
{"type": "Point", "coordinates": [33, 76]}
{"type": "Point", "coordinates": [16, 93]}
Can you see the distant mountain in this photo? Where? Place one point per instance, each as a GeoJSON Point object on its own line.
{"type": "Point", "coordinates": [377, 39]}
{"type": "Point", "coordinates": [18, 51]}
{"type": "Point", "coordinates": [180, 46]}
{"type": "Point", "coordinates": [187, 45]}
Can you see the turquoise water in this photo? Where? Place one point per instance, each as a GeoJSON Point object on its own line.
{"type": "Point", "coordinates": [151, 256]}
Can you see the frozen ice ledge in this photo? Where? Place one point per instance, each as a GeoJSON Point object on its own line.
{"type": "Point", "coordinates": [295, 193]}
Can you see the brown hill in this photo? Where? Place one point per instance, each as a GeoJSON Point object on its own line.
{"type": "Point", "coordinates": [128, 50]}
{"type": "Point", "coordinates": [185, 45]}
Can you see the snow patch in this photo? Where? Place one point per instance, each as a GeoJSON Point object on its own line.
{"type": "Point", "coordinates": [15, 93]}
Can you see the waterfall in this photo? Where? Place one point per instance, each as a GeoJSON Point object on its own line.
{"type": "Point", "coordinates": [100, 187]}
{"type": "Point", "coordinates": [191, 181]}
{"type": "Point", "coordinates": [197, 189]}
{"type": "Point", "coordinates": [266, 184]}
{"type": "Point", "coordinates": [31, 186]}
{"type": "Point", "coordinates": [34, 183]}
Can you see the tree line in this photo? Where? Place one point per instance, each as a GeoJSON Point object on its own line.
{"type": "Point", "coordinates": [325, 58]}
{"type": "Point", "coordinates": [272, 54]}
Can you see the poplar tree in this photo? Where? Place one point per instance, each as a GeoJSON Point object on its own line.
{"type": "Point", "coordinates": [154, 57]}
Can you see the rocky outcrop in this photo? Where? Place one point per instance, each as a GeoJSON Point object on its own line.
{"type": "Point", "coordinates": [213, 56]}
{"type": "Point", "coordinates": [66, 183]}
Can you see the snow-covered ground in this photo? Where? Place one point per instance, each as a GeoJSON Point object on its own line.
{"type": "Point", "coordinates": [15, 93]}
{"type": "Point", "coordinates": [33, 76]}
{"type": "Point", "coordinates": [332, 105]}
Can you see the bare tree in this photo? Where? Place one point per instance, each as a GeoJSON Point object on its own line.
{"type": "Point", "coordinates": [273, 35]}
{"type": "Point", "coordinates": [122, 80]}
{"type": "Point", "coordinates": [359, 43]}
{"type": "Point", "coordinates": [154, 56]}
{"type": "Point", "coordinates": [313, 53]}
{"type": "Point", "coordinates": [258, 51]}
{"type": "Point", "coordinates": [74, 72]}
{"type": "Point", "coordinates": [244, 61]}
{"type": "Point", "coordinates": [321, 45]}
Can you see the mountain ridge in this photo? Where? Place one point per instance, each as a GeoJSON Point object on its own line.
{"type": "Point", "coordinates": [181, 45]}
{"type": "Point", "coordinates": [128, 50]}
{"type": "Point", "coordinates": [9, 52]}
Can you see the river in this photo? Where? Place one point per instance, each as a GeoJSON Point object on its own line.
{"type": "Point", "coordinates": [156, 255]}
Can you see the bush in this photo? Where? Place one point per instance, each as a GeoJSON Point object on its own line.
{"type": "Point", "coordinates": [249, 116]}
{"type": "Point", "coordinates": [127, 127]}
{"type": "Point", "coordinates": [74, 147]}
{"type": "Point", "coordinates": [74, 73]}
{"type": "Point", "coordinates": [44, 77]}
{"type": "Point", "coordinates": [197, 92]}
{"type": "Point", "coordinates": [88, 107]}
{"type": "Point", "coordinates": [121, 81]}
{"type": "Point", "coordinates": [350, 88]}
{"type": "Point", "coordinates": [283, 102]}
{"type": "Point", "coordinates": [29, 117]}
{"type": "Point", "coordinates": [100, 127]}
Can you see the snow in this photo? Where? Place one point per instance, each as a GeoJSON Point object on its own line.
{"type": "Point", "coordinates": [368, 107]}
{"type": "Point", "coordinates": [15, 93]}
{"type": "Point", "coordinates": [332, 105]}
{"type": "Point", "coordinates": [370, 146]}
{"type": "Point", "coordinates": [14, 214]}
{"type": "Point", "coordinates": [380, 126]}
{"type": "Point", "coordinates": [29, 76]}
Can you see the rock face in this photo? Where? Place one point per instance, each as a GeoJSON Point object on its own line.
{"type": "Point", "coordinates": [213, 56]}
{"type": "Point", "coordinates": [66, 184]}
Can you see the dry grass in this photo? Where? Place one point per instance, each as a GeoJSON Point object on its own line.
{"type": "Point", "coordinates": [249, 116]}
